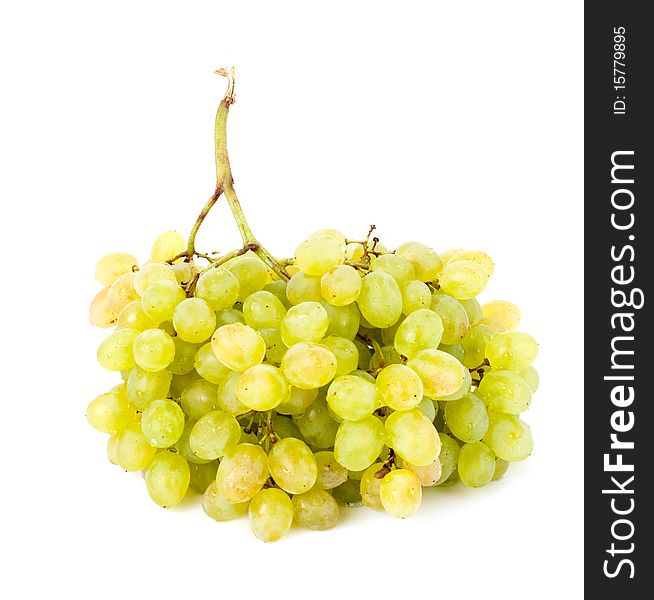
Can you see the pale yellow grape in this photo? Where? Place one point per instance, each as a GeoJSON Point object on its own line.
{"type": "Point", "coordinates": [284, 427]}
{"type": "Point", "coordinates": [421, 330]}
{"type": "Point", "coordinates": [304, 322]}
{"type": "Point", "coordinates": [513, 351]}
{"type": "Point", "coordinates": [344, 321]}
{"type": "Point", "coordinates": [316, 425]}
{"type": "Point", "coordinates": [330, 472]}
{"type": "Point", "coordinates": [462, 279]}
{"type": "Point", "coordinates": [505, 392]}
{"type": "Point", "coordinates": [271, 514]}
{"type": "Point", "coordinates": [426, 263]}
{"type": "Point", "coordinates": [150, 273]}
{"type": "Point", "coordinates": [111, 266]}
{"type": "Point", "coordinates": [111, 449]}
{"type": "Point", "coordinates": [473, 310]}
{"type": "Point", "coordinates": [365, 354]}
{"type": "Point", "coordinates": [348, 493]}
{"type": "Point", "coordinates": [297, 402]}
{"type": "Point", "coordinates": [292, 465]}
{"type": "Point", "coordinates": [238, 346]}
{"type": "Point", "coordinates": [448, 457]}
{"type": "Point", "coordinates": [208, 366]}
{"type": "Point", "coordinates": [251, 274]}
{"type": "Point", "coordinates": [441, 373]}
{"type": "Point", "coordinates": [464, 388]}
{"type": "Point", "coordinates": [341, 286]}
{"type": "Point", "coordinates": [467, 418]}
{"type": "Point", "coordinates": [399, 387]}
{"type": "Point", "coordinates": [102, 312]}
{"type": "Point", "coordinates": [227, 397]}
{"type": "Point", "coordinates": [162, 423]}
{"type": "Point", "coordinates": [354, 251]}
{"type": "Point", "coordinates": [397, 266]}
{"type": "Point", "coordinates": [199, 398]}
{"type": "Point", "coordinates": [455, 350]}
{"type": "Point", "coordinates": [167, 246]}
{"type": "Point", "coordinates": [358, 443]}
{"type": "Point", "coordinates": [111, 412]}
{"type": "Point", "coordinates": [161, 298]}
{"type": "Point", "coordinates": [494, 324]}
{"type": "Point", "coordinates": [167, 478]}
{"type": "Point", "coordinates": [145, 386]}
{"type": "Point", "coordinates": [428, 408]}
{"type": "Point", "coordinates": [507, 312]}
{"type": "Point", "coordinates": [133, 317]}
{"type": "Point", "coordinates": [154, 350]}
{"type": "Point", "coordinates": [345, 351]}
{"type": "Point", "coordinates": [184, 271]}
{"type": "Point", "coordinates": [332, 234]}
{"type": "Point", "coordinates": [316, 509]}
{"type": "Point", "coordinates": [218, 287]}
{"type": "Point", "coordinates": [202, 475]}
{"type": "Point", "coordinates": [413, 437]}
{"type": "Point", "coordinates": [115, 353]}
{"type": "Point", "coordinates": [319, 254]}
{"type": "Point", "coordinates": [278, 288]}
{"type": "Point", "coordinates": [530, 375]}
{"type": "Point", "coordinates": [262, 387]}
{"type": "Point", "coordinates": [369, 487]}
{"type": "Point", "coordinates": [453, 315]}
{"type": "Point", "coordinates": [303, 288]}
{"type": "Point", "coordinates": [474, 344]}
{"type": "Point", "coordinates": [184, 359]}
{"type": "Point", "coordinates": [183, 445]}
{"type": "Point", "coordinates": [122, 292]}
{"type": "Point", "coordinates": [242, 473]}
{"type": "Point", "coordinates": [380, 300]}
{"type": "Point", "coordinates": [194, 320]}
{"type": "Point", "coordinates": [352, 397]}
{"type": "Point", "coordinates": [415, 295]}
{"type": "Point", "coordinates": [428, 475]}
{"type": "Point", "coordinates": [448, 254]}
{"type": "Point", "coordinates": [263, 310]}
{"type": "Point", "coordinates": [133, 452]}
{"type": "Point", "coordinates": [179, 383]}
{"type": "Point", "coordinates": [308, 365]}
{"type": "Point", "coordinates": [476, 464]}
{"type": "Point", "coordinates": [275, 346]}
{"type": "Point", "coordinates": [501, 467]}
{"type": "Point", "coordinates": [400, 493]}
{"type": "Point", "coordinates": [476, 256]}
{"type": "Point", "coordinates": [388, 333]}
{"type": "Point", "coordinates": [214, 435]}
{"type": "Point", "coordinates": [509, 437]}
{"type": "Point", "coordinates": [219, 509]}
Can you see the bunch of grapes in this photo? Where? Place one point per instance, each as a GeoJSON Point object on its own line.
{"type": "Point", "coordinates": [283, 389]}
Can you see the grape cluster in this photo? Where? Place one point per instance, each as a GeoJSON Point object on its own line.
{"type": "Point", "coordinates": [356, 375]}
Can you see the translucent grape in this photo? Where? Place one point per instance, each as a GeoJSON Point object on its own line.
{"type": "Point", "coordinates": [462, 279]}
{"type": "Point", "coordinates": [348, 493]}
{"type": "Point", "coordinates": [332, 234]}
{"type": "Point", "coordinates": [441, 373]}
{"type": "Point", "coordinates": [455, 350]}
{"type": "Point", "coordinates": [167, 246]}
{"type": "Point", "coordinates": [271, 514]}
{"type": "Point", "coordinates": [316, 510]}
{"type": "Point", "coordinates": [513, 351]}
{"type": "Point", "coordinates": [530, 375]}
{"type": "Point", "coordinates": [380, 300]}
{"type": "Point", "coordinates": [184, 359]}
{"type": "Point", "coordinates": [330, 472]}
{"type": "Point", "coordinates": [426, 263]}
{"type": "Point", "coordinates": [116, 353]}
{"type": "Point", "coordinates": [284, 427]}
{"type": "Point", "coordinates": [238, 346]}
{"type": "Point", "coordinates": [388, 356]}
{"type": "Point", "coordinates": [474, 344]}
{"type": "Point", "coordinates": [133, 452]}
{"type": "Point", "coordinates": [303, 288]}
{"type": "Point", "coordinates": [308, 365]}
{"type": "Point", "coordinates": [317, 426]}
{"type": "Point", "coordinates": [218, 287]}
{"type": "Point", "coordinates": [399, 387]}
{"type": "Point", "coordinates": [505, 391]}
{"type": "Point", "coordinates": [202, 475]}
{"type": "Point", "coordinates": [275, 347]}
{"type": "Point", "coordinates": [199, 398]}
{"type": "Point", "coordinates": [262, 387]}
{"type": "Point", "coordinates": [111, 266]}
{"type": "Point", "coordinates": [229, 316]}
{"type": "Point", "coordinates": [352, 397]}
{"type": "Point", "coordinates": [354, 251]}
{"type": "Point", "coordinates": [319, 254]}
{"type": "Point", "coordinates": [477, 257]}
{"type": "Point", "coordinates": [494, 324]}
{"type": "Point", "coordinates": [292, 466]}
{"type": "Point", "coordinates": [184, 272]}
{"type": "Point", "coordinates": [421, 330]}
{"type": "Point", "coordinates": [111, 449]}
{"type": "Point", "coordinates": [415, 295]}
{"type": "Point", "coordinates": [358, 443]}
{"type": "Point", "coordinates": [111, 412]}
{"type": "Point", "coordinates": [215, 506]}
{"type": "Point", "coordinates": [167, 479]}
{"type": "Point", "coordinates": [227, 396]}
{"type": "Point", "coordinates": [476, 464]}
{"type": "Point", "coordinates": [344, 321]}
{"type": "Point", "coordinates": [467, 418]}
{"type": "Point", "coordinates": [180, 382]}
{"type": "Point", "coordinates": [501, 467]}
{"type": "Point", "coordinates": [448, 457]}
{"type": "Point", "coordinates": [151, 273]}
{"type": "Point", "coordinates": [413, 437]}
{"type": "Point", "coordinates": [162, 423]}
{"type": "Point", "coordinates": [183, 445]}
{"type": "Point", "coordinates": [194, 320]}
{"type": "Point", "coordinates": [154, 350]}
{"type": "Point", "coordinates": [464, 388]}
{"type": "Point", "coordinates": [208, 366]}
{"type": "Point", "coordinates": [133, 317]}
{"type": "Point", "coordinates": [144, 386]}
{"type": "Point", "coordinates": [102, 312]}
{"type": "Point", "coordinates": [298, 401]}
{"type": "Point", "coordinates": [509, 437]}
{"type": "Point", "coordinates": [304, 322]}
{"type": "Point", "coordinates": [251, 274]}
{"type": "Point", "coordinates": [214, 435]}
{"type": "Point", "coordinates": [473, 310]}
{"type": "Point", "coordinates": [242, 473]}
{"type": "Point", "coordinates": [400, 493]}
{"type": "Point", "coordinates": [365, 354]}
{"type": "Point", "coordinates": [341, 286]}
{"type": "Point", "coordinates": [122, 292]}
{"type": "Point", "coordinates": [453, 315]}
{"type": "Point", "coordinates": [369, 487]}
{"type": "Point", "coordinates": [263, 310]}
{"type": "Point", "coordinates": [395, 265]}
{"type": "Point", "coordinates": [428, 475]}
{"type": "Point", "coordinates": [507, 312]}
{"type": "Point", "coordinates": [428, 408]}
{"type": "Point", "coordinates": [345, 351]}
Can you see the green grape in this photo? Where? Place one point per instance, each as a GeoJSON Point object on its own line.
{"type": "Point", "coordinates": [184, 272]}
{"type": "Point", "coordinates": [262, 387]}
{"type": "Point", "coordinates": [116, 353]}
{"type": "Point", "coordinates": [133, 317]}
{"type": "Point", "coordinates": [501, 467]}
{"type": "Point", "coordinates": [251, 274]}
{"type": "Point", "coordinates": [369, 487]}
{"type": "Point", "coordinates": [428, 408]}
{"type": "Point", "coordinates": [214, 435]}
{"type": "Point", "coordinates": [303, 288]}
{"type": "Point", "coordinates": [316, 509]}
{"type": "Point", "coordinates": [184, 448]}
{"type": "Point", "coordinates": [441, 373]}
{"type": "Point", "coordinates": [238, 346]}
{"type": "Point", "coordinates": [413, 437]}
{"type": "Point", "coordinates": [399, 387]}
{"type": "Point", "coordinates": [448, 457]}
{"type": "Point", "coordinates": [400, 493]}
{"type": "Point", "coordinates": [103, 313]}
{"type": "Point", "coordinates": [184, 359]}
{"type": "Point", "coordinates": [474, 344]}
{"type": "Point", "coordinates": [463, 279]}
{"type": "Point", "coordinates": [380, 300]}
{"type": "Point", "coordinates": [343, 320]}
{"type": "Point", "coordinates": [111, 449]}
{"type": "Point", "coordinates": [161, 298]}
{"type": "Point", "coordinates": [199, 398]}
{"type": "Point", "coordinates": [426, 263]}
{"type": "Point", "coordinates": [219, 288]}
{"type": "Point", "coordinates": [473, 310]}
{"type": "Point", "coordinates": [494, 324]}
{"type": "Point", "coordinates": [358, 443]}
{"type": "Point", "coordinates": [263, 310]}
{"type": "Point", "coordinates": [388, 334]}
{"type": "Point", "coordinates": [467, 418]}
{"type": "Point", "coordinates": [505, 392]}
{"type": "Point", "coordinates": [388, 356]}
{"type": "Point", "coordinates": [167, 479]}
{"type": "Point", "coordinates": [162, 423]}
{"type": "Point", "coordinates": [145, 386]}
{"type": "Point", "coordinates": [415, 295]}
{"type": "Point", "coordinates": [284, 427]}
{"type": "Point", "coordinates": [208, 366]}
{"type": "Point", "coordinates": [354, 251]}
{"type": "Point", "coordinates": [202, 475]}
{"type": "Point", "coordinates": [453, 315]}
{"type": "Point", "coordinates": [229, 316]}
{"type": "Point", "coordinates": [122, 292]}
{"type": "Point", "coordinates": [111, 266]}
{"type": "Point", "coordinates": [151, 273]}
{"type": "Point", "coordinates": [332, 234]}
{"type": "Point", "coordinates": [365, 355]}
{"type": "Point", "coordinates": [304, 322]}
{"type": "Point", "coordinates": [292, 465]}
{"type": "Point", "coordinates": [530, 375]}
{"type": "Point", "coordinates": [317, 426]}
{"type": "Point", "coordinates": [455, 350]}
{"type": "Point", "coordinates": [348, 493]}
{"type": "Point", "coordinates": [194, 320]}
{"type": "Point", "coordinates": [133, 452]}
{"type": "Point", "coordinates": [476, 464]}
{"type": "Point", "coordinates": [352, 397]}
{"type": "Point", "coordinates": [428, 475]}
{"type": "Point", "coordinates": [242, 473]}
{"type": "Point", "coordinates": [275, 347]}
{"type": "Point", "coordinates": [154, 350]}
{"type": "Point", "coordinates": [278, 288]}
{"type": "Point", "coordinates": [180, 382]}
{"type": "Point", "coordinates": [421, 330]}
{"type": "Point", "coordinates": [509, 437]}
{"type": "Point", "coordinates": [309, 366]}
{"type": "Point", "coordinates": [396, 266]}
{"type": "Point", "coordinates": [167, 246]}
{"type": "Point", "coordinates": [219, 509]}
{"type": "Point", "coordinates": [330, 472]}
{"type": "Point", "coordinates": [271, 514]}
{"type": "Point", "coordinates": [111, 412]}
{"type": "Point", "coordinates": [345, 351]}
{"type": "Point", "coordinates": [319, 254]}
{"type": "Point", "coordinates": [298, 401]}
{"type": "Point", "coordinates": [341, 286]}
{"type": "Point", "coordinates": [513, 351]}
{"type": "Point", "coordinates": [227, 397]}
{"type": "Point", "coordinates": [464, 388]}
{"type": "Point", "coordinates": [167, 326]}
{"type": "Point", "coordinates": [477, 257]}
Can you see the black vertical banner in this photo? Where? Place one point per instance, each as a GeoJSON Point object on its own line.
{"type": "Point", "coordinates": [619, 269]}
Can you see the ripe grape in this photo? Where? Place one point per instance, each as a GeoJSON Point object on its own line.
{"type": "Point", "coordinates": [111, 266]}
{"type": "Point", "coordinates": [315, 509]}
{"type": "Point", "coordinates": [293, 466]}
{"type": "Point", "coordinates": [167, 478]}
{"type": "Point", "coordinates": [271, 514]}
{"type": "Point", "coordinates": [400, 493]}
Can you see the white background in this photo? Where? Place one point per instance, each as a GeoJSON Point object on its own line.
{"type": "Point", "coordinates": [456, 124]}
